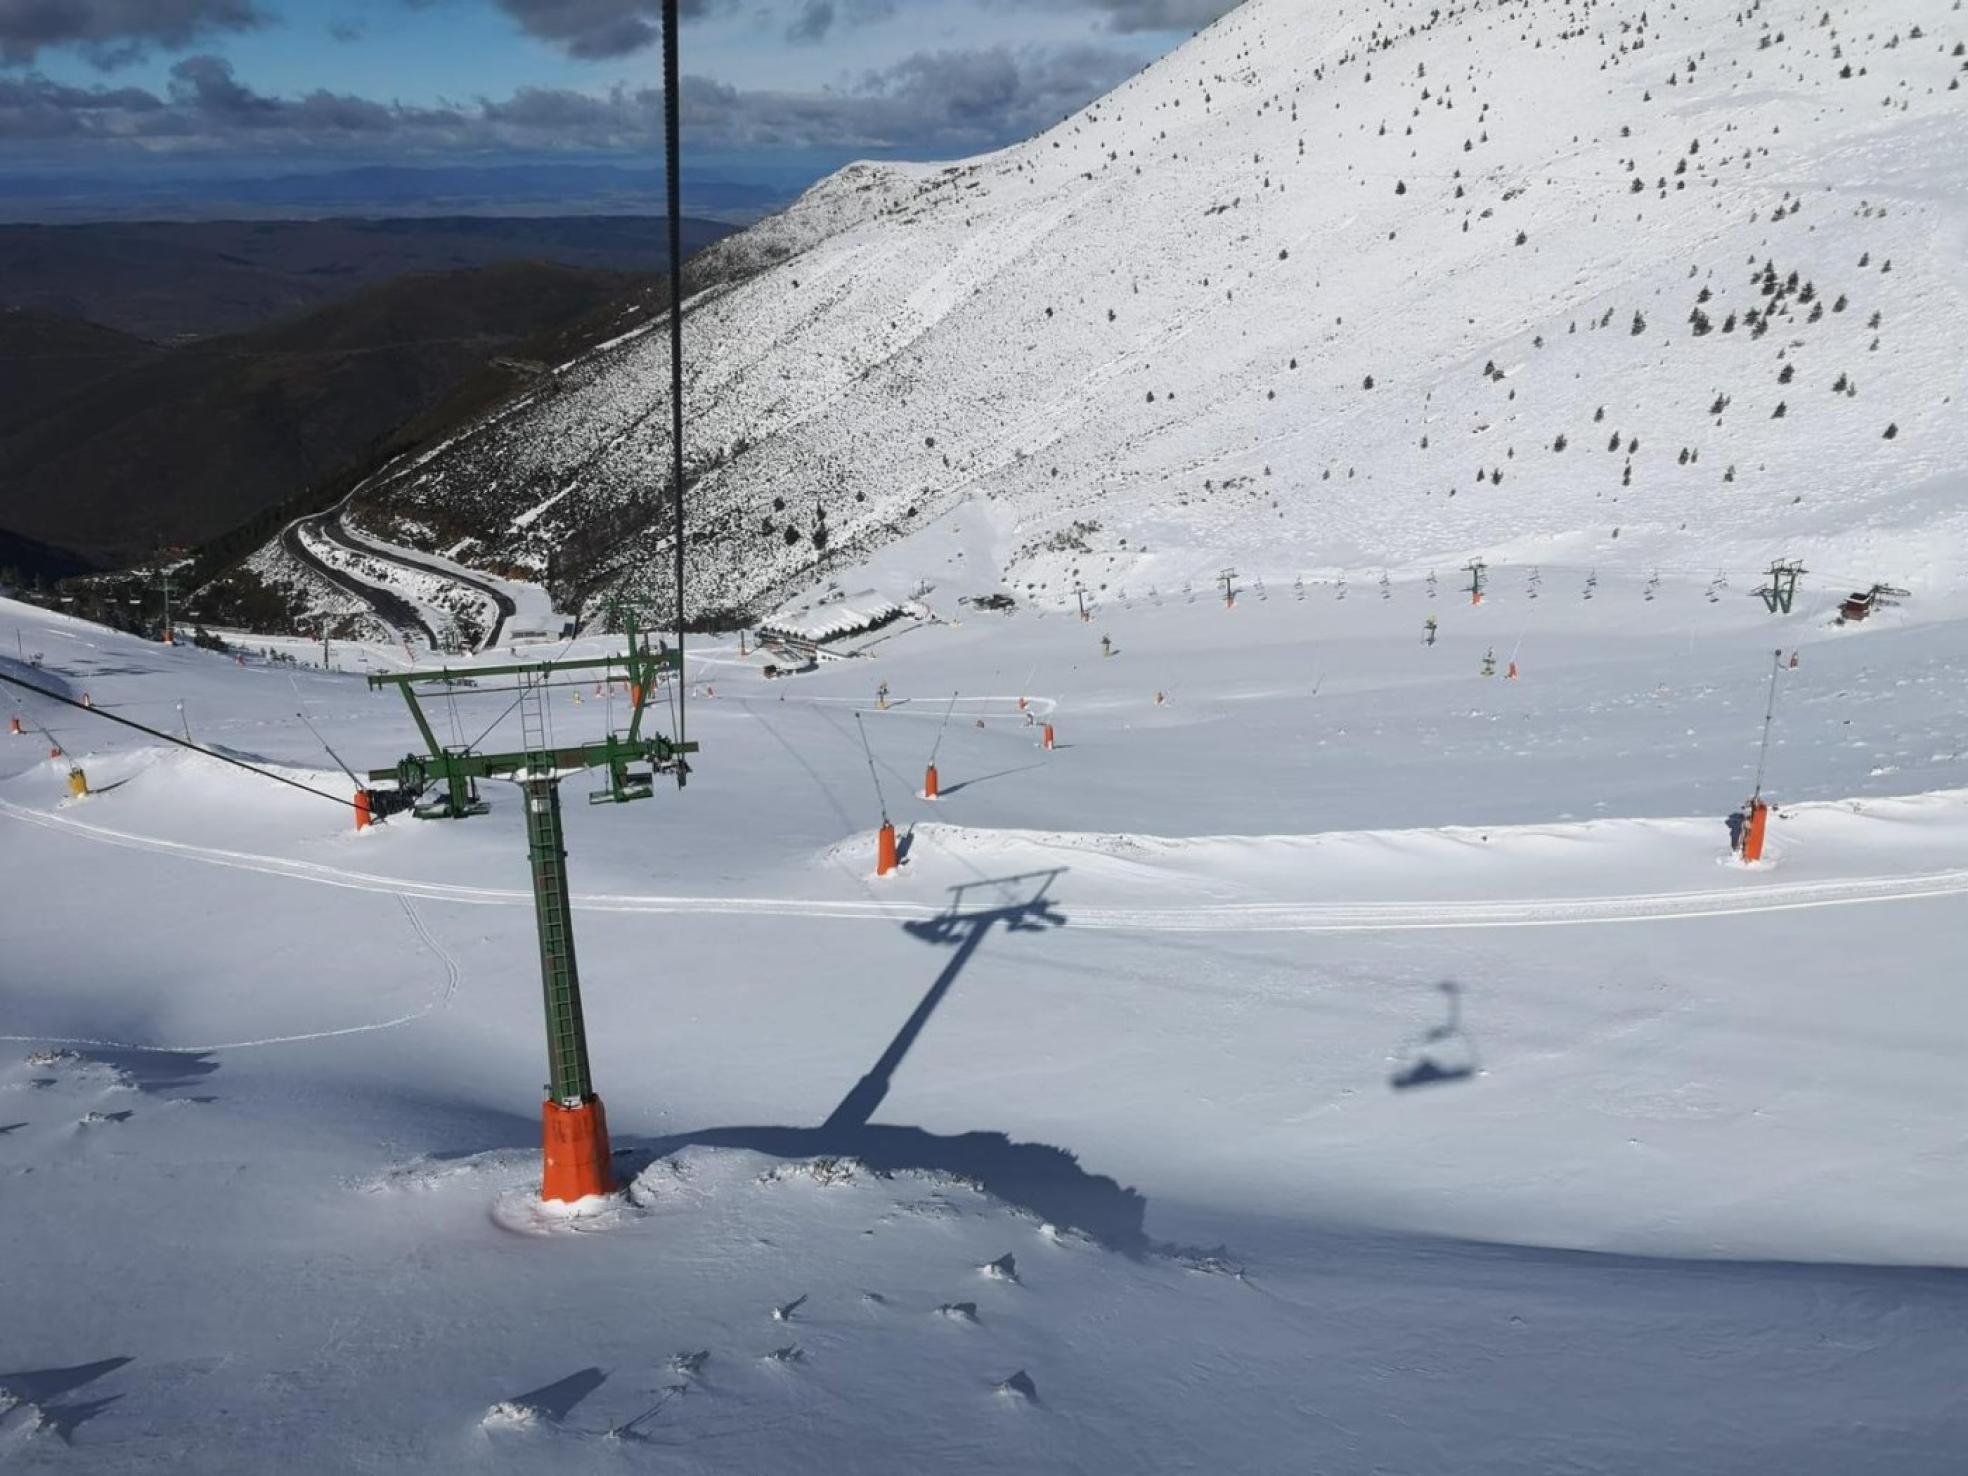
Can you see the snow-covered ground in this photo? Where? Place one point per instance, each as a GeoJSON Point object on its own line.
{"type": "Point", "coordinates": [1352, 1047]}
{"type": "Point", "coordinates": [1365, 1064]}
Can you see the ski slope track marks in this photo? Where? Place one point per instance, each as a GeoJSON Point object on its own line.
{"type": "Point", "coordinates": [1233, 917]}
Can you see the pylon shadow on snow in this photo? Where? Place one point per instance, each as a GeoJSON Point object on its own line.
{"type": "Point", "coordinates": [556, 1401]}
{"type": "Point", "coordinates": [962, 784]}
{"type": "Point", "coordinates": [44, 1386]}
{"type": "Point", "coordinates": [1045, 1180]}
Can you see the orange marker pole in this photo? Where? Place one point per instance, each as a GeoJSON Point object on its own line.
{"type": "Point", "coordinates": [885, 852]}
{"type": "Point", "coordinates": [1048, 737]}
{"type": "Point", "coordinates": [929, 783]}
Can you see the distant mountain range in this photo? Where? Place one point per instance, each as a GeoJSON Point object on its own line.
{"type": "Point", "coordinates": [552, 188]}
{"type": "Point", "coordinates": [170, 280]}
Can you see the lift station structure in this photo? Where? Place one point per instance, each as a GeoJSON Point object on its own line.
{"type": "Point", "coordinates": [442, 784]}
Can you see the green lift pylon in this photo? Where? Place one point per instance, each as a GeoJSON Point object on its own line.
{"type": "Point", "coordinates": [574, 1125]}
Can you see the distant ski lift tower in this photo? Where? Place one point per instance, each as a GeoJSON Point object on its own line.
{"type": "Point", "coordinates": [1781, 592]}
{"type": "Point", "coordinates": [168, 636]}
{"type": "Point", "coordinates": [1228, 579]}
{"type": "Point", "coordinates": [1475, 569]}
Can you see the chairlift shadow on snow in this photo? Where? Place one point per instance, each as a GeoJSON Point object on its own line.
{"type": "Point", "coordinates": [1444, 1053]}
{"type": "Point", "coordinates": [1040, 1178]}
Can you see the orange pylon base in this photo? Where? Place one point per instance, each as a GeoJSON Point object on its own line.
{"type": "Point", "coordinates": [1513, 671]}
{"type": "Point", "coordinates": [575, 1140]}
{"type": "Point", "coordinates": [1048, 735]}
{"type": "Point", "coordinates": [14, 727]}
{"type": "Point", "coordinates": [1759, 821]}
{"type": "Point", "coordinates": [929, 783]}
{"type": "Point", "coordinates": [365, 815]}
{"type": "Point", "coordinates": [885, 850]}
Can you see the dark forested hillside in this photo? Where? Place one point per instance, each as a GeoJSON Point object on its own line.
{"type": "Point", "coordinates": [170, 280]}
{"type": "Point", "coordinates": [176, 447]}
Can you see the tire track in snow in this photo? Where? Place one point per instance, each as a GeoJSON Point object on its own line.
{"type": "Point", "coordinates": [452, 976]}
{"type": "Point", "coordinates": [1226, 917]}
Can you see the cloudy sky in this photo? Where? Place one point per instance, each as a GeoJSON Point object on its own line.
{"type": "Point", "coordinates": [97, 82]}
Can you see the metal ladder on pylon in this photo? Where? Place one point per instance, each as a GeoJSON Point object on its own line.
{"type": "Point", "coordinates": [567, 1056]}
{"type": "Point", "coordinates": [534, 737]}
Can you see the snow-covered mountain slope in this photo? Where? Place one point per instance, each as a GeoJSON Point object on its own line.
{"type": "Point", "coordinates": [1335, 284]}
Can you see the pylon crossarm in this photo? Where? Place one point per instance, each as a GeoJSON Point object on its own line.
{"type": "Point", "coordinates": [420, 770]}
{"type": "Point", "coordinates": [662, 658]}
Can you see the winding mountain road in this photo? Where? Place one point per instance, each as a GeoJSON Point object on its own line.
{"type": "Point", "coordinates": [388, 605]}
{"type": "Point", "coordinates": [333, 530]}
{"type": "Point", "coordinates": [391, 608]}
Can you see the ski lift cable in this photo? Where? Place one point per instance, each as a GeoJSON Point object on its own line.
{"type": "Point", "coordinates": [673, 164]}
{"type": "Point", "coordinates": [179, 742]}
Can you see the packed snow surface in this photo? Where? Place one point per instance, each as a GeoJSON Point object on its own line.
{"type": "Point", "coordinates": [1324, 1053]}
{"type": "Point", "coordinates": [1321, 1025]}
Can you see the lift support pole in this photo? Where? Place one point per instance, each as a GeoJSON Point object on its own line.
{"type": "Point", "coordinates": [575, 1126]}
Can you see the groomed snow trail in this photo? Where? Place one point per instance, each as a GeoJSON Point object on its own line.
{"type": "Point", "coordinates": [441, 1001]}
{"type": "Point", "coordinates": [1233, 917]}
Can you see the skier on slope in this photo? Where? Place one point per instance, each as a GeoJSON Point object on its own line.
{"type": "Point", "coordinates": [1428, 631]}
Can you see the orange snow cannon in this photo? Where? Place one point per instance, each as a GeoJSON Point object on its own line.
{"type": "Point", "coordinates": [575, 1142]}
{"type": "Point", "coordinates": [1759, 821]}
